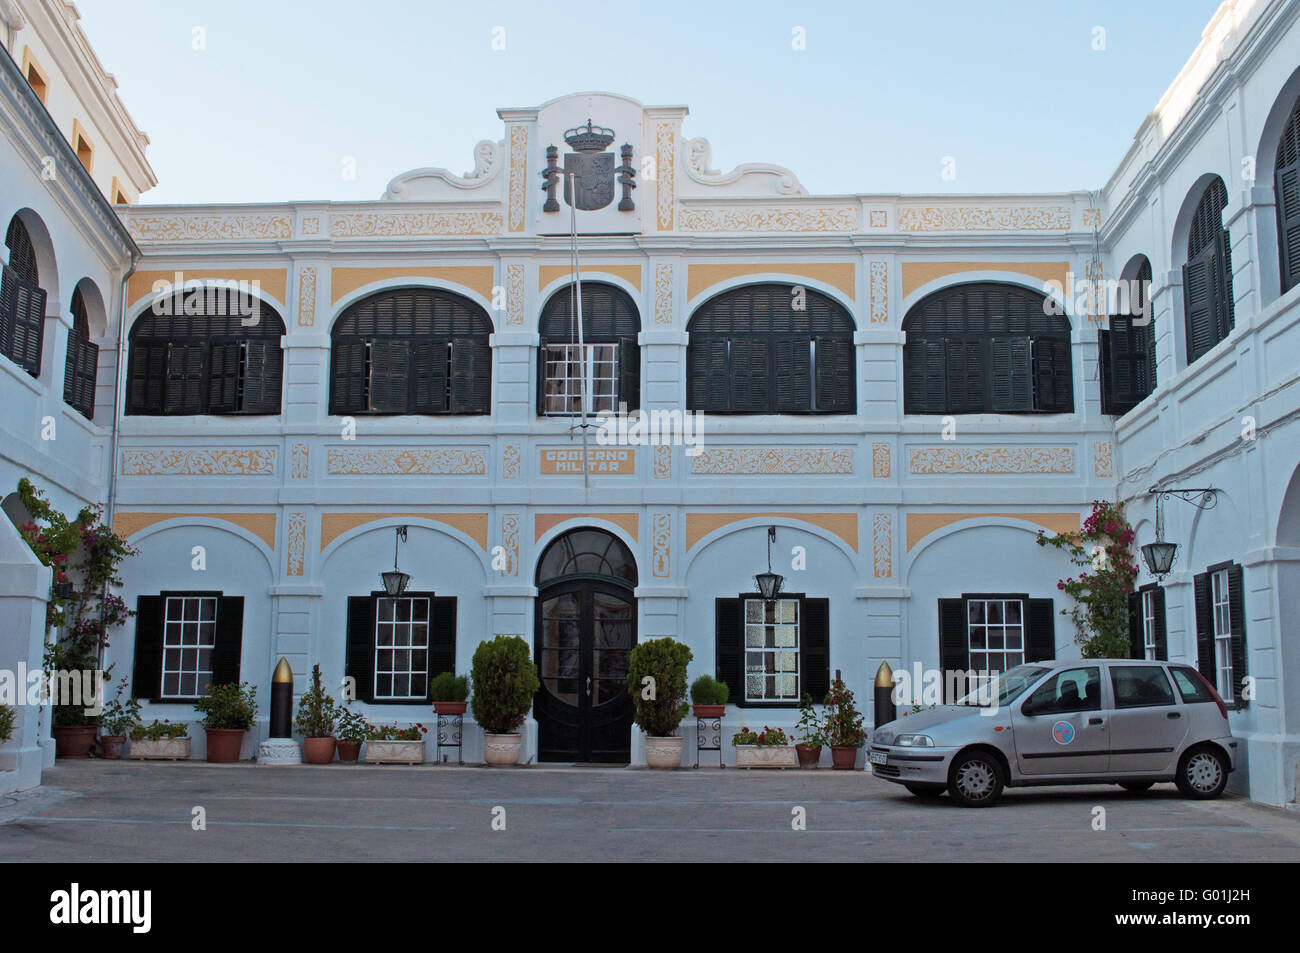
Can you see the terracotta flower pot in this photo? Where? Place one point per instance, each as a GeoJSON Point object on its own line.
{"type": "Point", "coordinates": [349, 750]}
{"type": "Point", "coordinates": [663, 753]}
{"type": "Point", "coordinates": [843, 757]}
{"type": "Point", "coordinates": [502, 749]}
{"type": "Point", "coordinates": [709, 711]}
{"type": "Point", "coordinates": [449, 708]}
{"type": "Point", "coordinates": [224, 744]}
{"type": "Point", "coordinates": [74, 741]}
{"type": "Point", "coordinates": [809, 755]}
{"type": "Point", "coordinates": [318, 750]}
{"type": "Point", "coordinates": [112, 746]}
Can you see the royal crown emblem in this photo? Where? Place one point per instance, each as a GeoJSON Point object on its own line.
{"type": "Point", "coordinates": [589, 171]}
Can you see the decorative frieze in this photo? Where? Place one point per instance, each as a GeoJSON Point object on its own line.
{"type": "Point", "coordinates": [880, 461]}
{"type": "Point", "coordinates": [515, 295]}
{"type": "Point", "coordinates": [413, 461]}
{"type": "Point", "coordinates": [510, 543]}
{"type": "Point", "coordinates": [299, 461]}
{"type": "Point", "coordinates": [416, 224]}
{"type": "Point", "coordinates": [878, 286]}
{"type": "Point", "coordinates": [663, 462]}
{"type": "Point", "coordinates": [661, 531]}
{"type": "Point", "coordinates": [971, 218]}
{"type": "Point", "coordinates": [934, 460]}
{"type": "Point", "coordinates": [770, 218]}
{"type": "Point", "coordinates": [878, 218]}
{"type": "Point", "coordinates": [773, 460]}
{"type": "Point", "coordinates": [518, 176]}
{"type": "Point", "coordinates": [882, 545]}
{"type": "Point", "coordinates": [297, 544]}
{"type": "Point", "coordinates": [198, 461]}
{"type": "Point", "coordinates": [665, 168]}
{"type": "Point", "coordinates": [306, 296]}
{"type": "Point", "coordinates": [664, 293]}
{"type": "Point", "coordinates": [1103, 459]}
{"type": "Point", "coordinates": [208, 228]}
{"type": "Point", "coordinates": [511, 462]}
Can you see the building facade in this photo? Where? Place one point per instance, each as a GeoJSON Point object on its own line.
{"type": "Point", "coordinates": [895, 395]}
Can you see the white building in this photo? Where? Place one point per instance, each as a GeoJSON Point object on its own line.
{"type": "Point", "coordinates": [407, 366]}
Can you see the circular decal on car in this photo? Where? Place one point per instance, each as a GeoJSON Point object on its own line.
{"type": "Point", "coordinates": [1062, 732]}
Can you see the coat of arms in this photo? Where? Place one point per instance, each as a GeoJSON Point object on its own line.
{"type": "Point", "coordinates": [589, 171]}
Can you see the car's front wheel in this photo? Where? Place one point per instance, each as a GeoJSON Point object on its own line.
{"type": "Point", "coordinates": [926, 790]}
{"type": "Point", "coordinates": [975, 779]}
{"type": "Point", "coordinates": [1202, 773]}
{"type": "Point", "coordinates": [1136, 787]}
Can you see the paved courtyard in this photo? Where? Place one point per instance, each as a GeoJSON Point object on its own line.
{"type": "Point", "coordinates": [144, 812]}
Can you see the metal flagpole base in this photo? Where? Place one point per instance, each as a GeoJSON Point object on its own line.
{"type": "Point", "coordinates": [279, 751]}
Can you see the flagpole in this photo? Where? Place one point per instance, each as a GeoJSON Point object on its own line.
{"type": "Point", "coordinates": [582, 349]}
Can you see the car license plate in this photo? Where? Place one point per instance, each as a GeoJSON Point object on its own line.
{"type": "Point", "coordinates": [878, 757]}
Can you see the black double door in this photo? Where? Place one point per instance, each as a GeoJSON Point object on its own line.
{"type": "Point", "coordinates": [585, 631]}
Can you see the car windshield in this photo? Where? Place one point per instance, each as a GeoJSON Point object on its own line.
{"type": "Point", "coordinates": [1006, 686]}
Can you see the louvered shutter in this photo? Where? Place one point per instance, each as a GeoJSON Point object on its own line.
{"type": "Point", "coordinates": [629, 373]}
{"type": "Point", "coordinates": [79, 372]}
{"type": "Point", "coordinates": [966, 365]}
{"type": "Point", "coordinates": [1041, 642]}
{"type": "Point", "coordinates": [1123, 366]}
{"type": "Point", "coordinates": [1200, 302]}
{"type": "Point", "coordinates": [1288, 223]}
{"type": "Point", "coordinates": [1136, 641]}
{"type": "Point", "coordinates": [360, 650]}
{"type": "Point", "coordinates": [791, 375]}
{"type": "Point", "coordinates": [836, 376]}
{"type": "Point", "coordinates": [729, 647]}
{"type": "Point", "coordinates": [750, 376]}
{"type": "Point", "coordinates": [263, 377]}
{"type": "Point", "coordinates": [1012, 384]}
{"type": "Point", "coordinates": [541, 378]}
{"type": "Point", "coordinates": [442, 636]}
{"type": "Point", "coordinates": [1053, 377]}
{"type": "Point", "coordinates": [147, 378]}
{"type": "Point", "coordinates": [183, 393]}
{"type": "Point", "coordinates": [8, 308]}
{"type": "Point", "coordinates": [1162, 636]}
{"type": "Point", "coordinates": [954, 646]}
{"type": "Point", "coordinates": [223, 377]}
{"type": "Point", "coordinates": [348, 377]}
{"type": "Point", "coordinates": [1237, 630]}
{"type": "Point", "coordinates": [471, 366]}
{"type": "Point", "coordinates": [430, 378]}
{"type": "Point", "coordinates": [1204, 628]}
{"type": "Point", "coordinates": [230, 640]}
{"type": "Point", "coordinates": [146, 678]}
{"type": "Point", "coordinates": [708, 380]}
{"type": "Point", "coordinates": [924, 376]}
{"type": "Point", "coordinates": [815, 648]}
{"type": "Point", "coordinates": [1224, 303]}
{"type": "Point", "coordinates": [389, 365]}
{"type": "Point", "coordinates": [28, 327]}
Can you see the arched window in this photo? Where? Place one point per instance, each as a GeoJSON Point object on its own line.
{"type": "Point", "coordinates": [771, 349]}
{"type": "Point", "coordinates": [1288, 199]}
{"type": "Point", "coordinates": [609, 357]}
{"type": "Point", "coordinates": [82, 362]}
{"type": "Point", "coordinates": [986, 347]}
{"type": "Point", "coordinates": [411, 351]}
{"type": "Point", "coordinates": [208, 350]}
{"type": "Point", "coordinates": [22, 302]}
{"type": "Point", "coordinates": [587, 552]}
{"type": "Point", "coordinates": [1207, 276]}
{"type": "Point", "coordinates": [1128, 347]}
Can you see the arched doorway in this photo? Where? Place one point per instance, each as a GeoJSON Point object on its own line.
{"type": "Point", "coordinates": [585, 630]}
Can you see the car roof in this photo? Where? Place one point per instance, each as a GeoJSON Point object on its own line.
{"type": "Point", "coordinates": [1071, 663]}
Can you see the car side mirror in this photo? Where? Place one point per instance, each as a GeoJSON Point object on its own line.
{"type": "Point", "coordinates": [1029, 708]}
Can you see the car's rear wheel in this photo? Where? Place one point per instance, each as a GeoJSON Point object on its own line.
{"type": "Point", "coordinates": [975, 779]}
{"type": "Point", "coordinates": [1202, 773]}
{"type": "Point", "coordinates": [926, 790]}
{"type": "Point", "coordinates": [1136, 786]}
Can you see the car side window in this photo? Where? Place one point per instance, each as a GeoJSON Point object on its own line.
{"type": "Point", "coordinates": [1075, 689]}
{"type": "Point", "coordinates": [1189, 686]}
{"type": "Point", "coordinates": [1140, 686]}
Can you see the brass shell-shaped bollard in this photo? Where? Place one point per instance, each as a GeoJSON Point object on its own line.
{"type": "Point", "coordinates": [885, 710]}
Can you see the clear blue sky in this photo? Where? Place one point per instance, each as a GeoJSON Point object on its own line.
{"type": "Point", "coordinates": [285, 89]}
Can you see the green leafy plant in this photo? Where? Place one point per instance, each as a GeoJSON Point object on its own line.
{"type": "Point", "coordinates": [120, 718]}
{"type": "Point", "coordinates": [395, 732]}
{"type": "Point", "coordinates": [317, 711]}
{"type": "Point", "coordinates": [505, 680]}
{"type": "Point", "coordinates": [449, 687]}
{"type": "Point", "coordinates": [158, 730]}
{"type": "Point", "coordinates": [767, 738]}
{"type": "Point", "coordinates": [1101, 591]}
{"type": "Point", "coordinates": [656, 680]}
{"type": "Point", "coordinates": [7, 717]}
{"type": "Point", "coordinates": [229, 706]}
{"type": "Point", "coordinates": [811, 731]}
{"type": "Point", "coordinates": [843, 727]}
{"type": "Point", "coordinates": [353, 727]}
{"type": "Point", "coordinates": [707, 690]}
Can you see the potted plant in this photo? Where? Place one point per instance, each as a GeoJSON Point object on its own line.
{"type": "Point", "coordinates": [811, 734]}
{"type": "Point", "coordinates": [709, 697]}
{"type": "Point", "coordinates": [769, 748]}
{"type": "Point", "coordinates": [390, 744]}
{"type": "Point", "coordinates": [228, 712]}
{"type": "Point", "coordinates": [842, 728]}
{"type": "Point", "coordinates": [119, 720]}
{"type": "Point", "coordinates": [656, 680]}
{"type": "Point", "coordinates": [352, 730]}
{"type": "Point", "coordinates": [315, 721]}
{"type": "Point", "coordinates": [448, 692]}
{"type": "Point", "coordinates": [505, 680]}
{"type": "Point", "coordinates": [160, 741]}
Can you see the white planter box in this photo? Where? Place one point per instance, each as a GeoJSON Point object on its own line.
{"type": "Point", "coordinates": [766, 756]}
{"type": "Point", "coordinates": [395, 752]}
{"type": "Point", "coordinates": [164, 749]}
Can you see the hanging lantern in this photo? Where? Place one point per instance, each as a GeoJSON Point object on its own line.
{"type": "Point", "coordinates": [396, 581]}
{"type": "Point", "coordinates": [769, 583]}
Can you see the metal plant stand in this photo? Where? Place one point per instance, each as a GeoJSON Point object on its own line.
{"type": "Point", "coordinates": [708, 737]}
{"type": "Point", "coordinates": [450, 728]}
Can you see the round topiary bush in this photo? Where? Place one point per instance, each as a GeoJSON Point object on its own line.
{"type": "Point", "coordinates": [660, 703]}
{"type": "Point", "coordinates": [505, 680]}
{"type": "Point", "coordinates": [707, 690]}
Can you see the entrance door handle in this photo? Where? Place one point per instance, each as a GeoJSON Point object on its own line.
{"type": "Point", "coordinates": [588, 686]}
{"type": "Point", "coordinates": [1095, 721]}
{"type": "Point", "coordinates": [1174, 714]}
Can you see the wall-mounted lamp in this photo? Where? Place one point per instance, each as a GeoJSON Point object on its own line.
{"type": "Point", "coordinates": [769, 583]}
{"type": "Point", "coordinates": [396, 581]}
{"type": "Point", "coordinates": [1160, 555]}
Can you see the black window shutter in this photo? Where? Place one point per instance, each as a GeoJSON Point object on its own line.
{"type": "Point", "coordinates": [389, 365]}
{"type": "Point", "coordinates": [541, 378]}
{"type": "Point", "coordinates": [1199, 301]}
{"type": "Point", "coordinates": [1237, 628]}
{"type": "Point", "coordinates": [183, 392]}
{"type": "Point", "coordinates": [430, 380]}
{"type": "Point", "coordinates": [1288, 223]}
{"type": "Point", "coordinates": [223, 377]}
{"type": "Point", "coordinates": [629, 373]}
{"type": "Point", "coordinates": [1162, 637]}
{"type": "Point", "coordinates": [348, 377]}
{"type": "Point", "coordinates": [263, 371]}
{"type": "Point", "coordinates": [230, 640]}
{"type": "Point", "coordinates": [28, 327]}
{"type": "Point", "coordinates": [1224, 313]}
{"type": "Point", "coordinates": [836, 375]}
{"type": "Point", "coordinates": [148, 378]}
{"type": "Point", "coordinates": [729, 647]}
{"type": "Point", "coordinates": [79, 373]}
{"type": "Point", "coordinates": [146, 678]}
{"type": "Point", "coordinates": [361, 645]}
{"type": "Point", "coordinates": [924, 376]}
{"type": "Point", "coordinates": [1041, 644]}
{"type": "Point", "coordinates": [1204, 628]}
{"type": "Point", "coordinates": [471, 376]}
{"type": "Point", "coordinates": [751, 390]}
{"type": "Point", "coordinates": [1053, 376]}
{"type": "Point", "coordinates": [1123, 366]}
{"type": "Point", "coordinates": [8, 307]}
{"type": "Point", "coordinates": [708, 370]}
{"type": "Point", "coordinates": [815, 648]}
{"type": "Point", "coordinates": [1012, 383]}
{"type": "Point", "coordinates": [967, 367]}
{"type": "Point", "coordinates": [442, 636]}
{"type": "Point", "coordinates": [954, 646]}
{"type": "Point", "coordinates": [1136, 641]}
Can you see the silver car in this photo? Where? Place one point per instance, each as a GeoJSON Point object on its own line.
{"type": "Point", "coordinates": [1087, 721]}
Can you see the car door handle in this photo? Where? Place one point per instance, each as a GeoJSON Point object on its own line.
{"type": "Point", "coordinates": [1174, 714]}
{"type": "Point", "coordinates": [1095, 721]}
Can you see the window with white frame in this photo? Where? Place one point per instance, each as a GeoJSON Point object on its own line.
{"type": "Point", "coordinates": [1220, 605]}
{"type": "Point", "coordinates": [564, 377]}
{"type": "Point", "coordinates": [402, 648]}
{"type": "Point", "coordinates": [1149, 650]}
{"type": "Point", "coordinates": [996, 632]}
{"type": "Point", "coordinates": [771, 650]}
{"type": "Point", "coordinates": [189, 636]}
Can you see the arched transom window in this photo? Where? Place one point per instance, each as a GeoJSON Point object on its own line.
{"type": "Point", "coordinates": [606, 366]}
